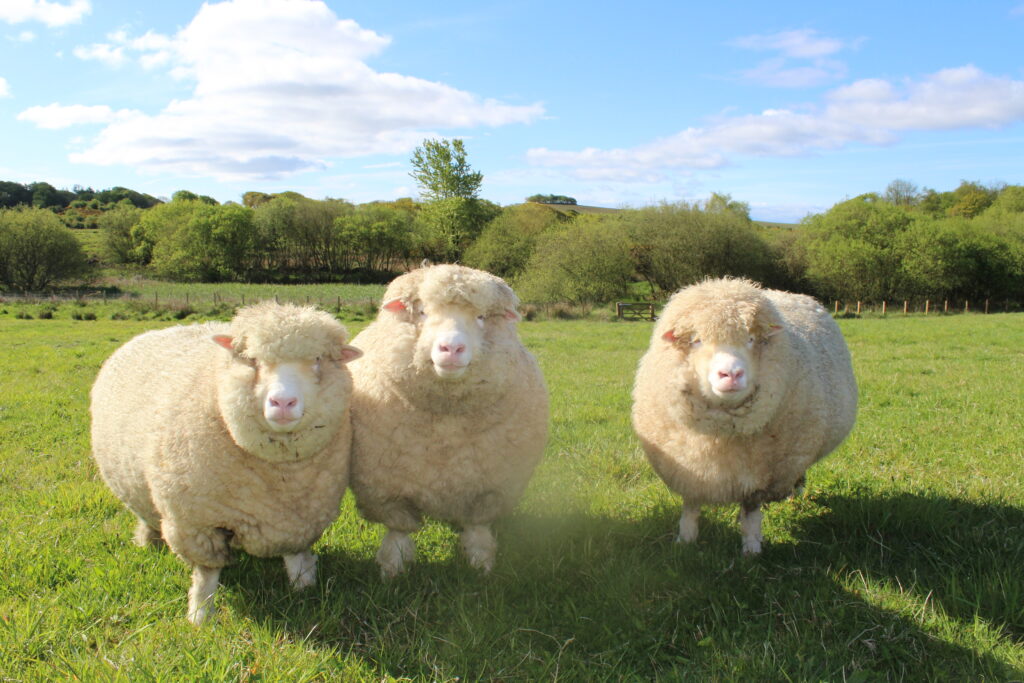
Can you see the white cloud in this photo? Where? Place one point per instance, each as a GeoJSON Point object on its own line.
{"type": "Point", "coordinates": [5, 89]}
{"type": "Point", "coordinates": [23, 37]}
{"type": "Point", "coordinates": [50, 13]}
{"type": "Point", "coordinates": [281, 87]}
{"type": "Point", "coordinates": [109, 55]}
{"type": "Point", "coordinates": [55, 116]}
{"type": "Point", "coordinates": [871, 111]}
{"type": "Point", "coordinates": [812, 52]}
{"type": "Point", "coordinates": [800, 44]}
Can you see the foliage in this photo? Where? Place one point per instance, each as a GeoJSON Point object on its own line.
{"type": "Point", "coordinates": [852, 249]}
{"type": "Point", "coordinates": [507, 242]}
{"type": "Point", "coordinates": [585, 263]}
{"type": "Point", "coordinates": [116, 226]}
{"type": "Point", "coordinates": [378, 237]}
{"type": "Point", "coordinates": [37, 250]}
{"type": "Point", "coordinates": [551, 199]}
{"type": "Point", "coordinates": [674, 245]}
{"type": "Point", "coordinates": [442, 172]}
{"type": "Point", "coordinates": [446, 227]}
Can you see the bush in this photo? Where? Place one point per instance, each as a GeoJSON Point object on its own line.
{"type": "Point", "coordinates": [587, 263]}
{"type": "Point", "coordinates": [36, 250]}
{"type": "Point", "coordinates": [507, 242]}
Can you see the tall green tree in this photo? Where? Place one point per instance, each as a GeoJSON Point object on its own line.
{"type": "Point", "coordinates": [442, 172]}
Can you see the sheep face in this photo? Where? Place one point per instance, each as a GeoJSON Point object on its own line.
{"type": "Point", "coordinates": [720, 354]}
{"type": "Point", "coordinates": [290, 397]}
{"type": "Point", "coordinates": [449, 336]}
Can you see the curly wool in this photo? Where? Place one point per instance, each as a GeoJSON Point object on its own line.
{"type": "Point", "coordinates": [458, 451]}
{"type": "Point", "coordinates": [802, 407]}
{"type": "Point", "coordinates": [179, 439]}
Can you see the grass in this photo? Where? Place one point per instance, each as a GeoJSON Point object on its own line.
{"type": "Point", "coordinates": [902, 561]}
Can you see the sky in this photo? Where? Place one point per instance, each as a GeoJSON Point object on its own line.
{"type": "Point", "coordinates": [790, 107]}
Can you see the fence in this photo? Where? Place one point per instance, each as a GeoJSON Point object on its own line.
{"type": "Point", "coordinates": [923, 306]}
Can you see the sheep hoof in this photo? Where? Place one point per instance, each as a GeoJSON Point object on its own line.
{"type": "Point", "coordinates": [479, 547]}
{"type": "Point", "coordinates": [688, 524]}
{"type": "Point", "coordinates": [396, 551]}
{"type": "Point", "coordinates": [751, 547]}
{"type": "Point", "coordinates": [301, 569]}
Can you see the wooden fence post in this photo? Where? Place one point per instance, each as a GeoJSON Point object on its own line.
{"type": "Point", "coordinates": [858, 308]}
{"type": "Point", "coordinates": [967, 306]}
{"type": "Point", "coordinates": [986, 306]}
{"type": "Point", "coordinates": [945, 306]}
{"type": "Point", "coordinates": [906, 304]}
{"type": "Point", "coordinates": [837, 306]}
{"type": "Point", "coordinates": [926, 303]}
{"type": "Point", "coordinates": [883, 309]}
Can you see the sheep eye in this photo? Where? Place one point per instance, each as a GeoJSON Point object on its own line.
{"type": "Point", "coordinates": [695, 343]}
{"type": "Point", "coordinates": [750, 341]}
{"type": "Point", "coordinates": [480, 320]}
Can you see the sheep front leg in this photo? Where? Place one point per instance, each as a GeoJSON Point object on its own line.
{"type": "Point", "coordinates": [479, 547]}
{"type": "Point", "coordinates": [688, 528]}
{"type": "Point", "coordinates": [750, 527]}
{"type": "Point", "coordinates": [395, 552]}
{"type": "Point", "coordinates": [200, 595]}
{"type": "Point", "coordinates": [301, 569]}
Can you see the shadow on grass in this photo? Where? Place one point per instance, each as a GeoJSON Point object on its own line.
{"type": "Point", "coordinates": [596, 598]}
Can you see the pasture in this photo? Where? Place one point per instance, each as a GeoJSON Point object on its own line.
{"type": "Point", "coordinates": [902, 561]}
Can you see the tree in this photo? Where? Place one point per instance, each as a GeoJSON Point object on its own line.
{"type": "Point", "coordinates": [36, 250]}
{"type": "Point", "coordinates": [442, 172]}
{"type": "Point", "coordinates": [116, 227]}
{"type": "Point", "coordinates": [446, 227]}
{"type": "Point", "coordinates": [724, 203]}
{"type": "Point", "coordinates": [507, 242]}
{"type": "Point", "coordinates": [902, 193]}
{"type": "Point", "coordinates": [551, 199]}
{"type": "Point", "coordinates": [588, 262]}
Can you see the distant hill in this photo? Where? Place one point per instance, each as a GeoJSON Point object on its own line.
{"type": "Point", "coordinates": [577, 208]}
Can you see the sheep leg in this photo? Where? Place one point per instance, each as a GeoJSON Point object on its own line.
{"type": "Point", "coordinates": [145, 535]}
{"type": "Point", "coordinates": [688, 528]}
{"type": "Point", "coordinates": [750, 526]}
{"type": "Point", "coordinates": [479, 546]}
{"type": "Point", "coordinates": [396, 550]}
{"type": "Point", "coordinates": [200, 595]}
{"type": "Point", "coordinates": [301, 569]}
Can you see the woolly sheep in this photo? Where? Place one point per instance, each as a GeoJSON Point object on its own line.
{"type": "Point", "coordinates": [449, 411]}
{"type": "Point", "coordinates": [741, 390]}
{"type": "Point", "coordinates": [221, 436]}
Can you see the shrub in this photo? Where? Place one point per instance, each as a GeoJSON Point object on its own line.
{"type": "Point", "coordinates": [36, 250]}
{"type": "Point", "coordinates": [588, 262]}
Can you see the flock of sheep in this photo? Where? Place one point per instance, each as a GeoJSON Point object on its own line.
{"type": "Point", "coordinates": [247, 434]}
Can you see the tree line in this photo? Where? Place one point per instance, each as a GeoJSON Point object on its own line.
{"type": "Point", "coordinates": [902, 243]}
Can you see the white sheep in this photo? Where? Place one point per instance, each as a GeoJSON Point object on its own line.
{"type": "Point", "coordinates": [741, 390]}
{"type": "Point", "coordinates": [221, 436]}
{"type": "Point", "coordinates": [449, 412]}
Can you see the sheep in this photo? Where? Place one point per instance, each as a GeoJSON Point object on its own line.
{"type": "Point", "coordinates": [449, 411]}
{"type": "Point", "coordinates": [740, 391]}
{"type": "Point", "coordinates": [221, 436]}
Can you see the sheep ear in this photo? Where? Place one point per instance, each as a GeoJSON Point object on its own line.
{"type": "Point", "coordinates": [348, 353]}
{"type": "Point", "coordinates": [513, 315]}
{"type": "Point", "coordinates": [227, 341]}
{"type": "Point", "coordinates": [395, 306]}
{"type": "Point", "coordinates": [670, 337]}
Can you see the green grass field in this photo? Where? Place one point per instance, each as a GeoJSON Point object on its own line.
{"type": "Point", "coordinates": [901, 562]}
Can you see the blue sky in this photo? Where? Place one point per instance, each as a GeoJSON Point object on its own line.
{"type": "Point", "coordinates": [788, 106]}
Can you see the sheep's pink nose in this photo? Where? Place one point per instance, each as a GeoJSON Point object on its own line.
{"type": "Point", "coordinates": [732, 374]}
{"type": "Point", "coordinates": [451, 349]}
{"type": "Point", "coordinates": [286, 402]}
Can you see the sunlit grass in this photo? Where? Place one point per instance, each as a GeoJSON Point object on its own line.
{"type": "Point", "coordinates": [901, 562]}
